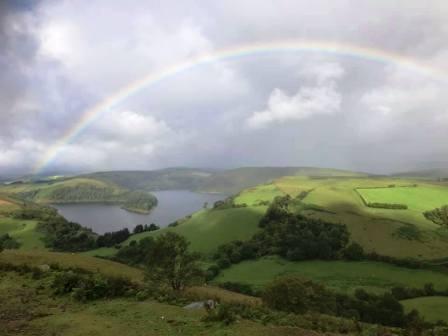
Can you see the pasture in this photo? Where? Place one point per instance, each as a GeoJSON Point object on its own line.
{"type": "Point", "coordinates": [432, 308]}
{"type": "Point", "coordinates": [342, 276]}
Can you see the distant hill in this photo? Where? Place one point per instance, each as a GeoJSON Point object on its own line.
{"type": "Point", "coordinates": [163, 179]}
{"type": "Point", "coordinates": [439, 173]}
{"type": "Point", "coordinates": [223, 181]}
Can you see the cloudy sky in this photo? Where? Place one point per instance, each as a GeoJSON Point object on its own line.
{"type": "Point", "coordinates": [58, 59]}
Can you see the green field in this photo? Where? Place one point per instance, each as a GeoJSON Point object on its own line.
{"type": "Point", "coordinates": [432, 308]}
{"type": "Point", "coordinates": [420, 198]}
{"type": "Point", "coordinates": [254, 196]}
{"type": "Point", "coordinates": [341, 276]}
{"type": "Point", "coordinates": [24, 231]}
{"type": "Point", "coordinates": [207, 229]}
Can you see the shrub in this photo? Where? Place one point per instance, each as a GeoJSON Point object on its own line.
{"type": "Point", "coordinates": [225, 313]}
{"type": "Point", "coordinates": [238, 287]}
{"type": "Point", "coordinates": [86, 287]}
{"type": "Point", "coordinates": [438, 215]}
{"type": "Point", "coordinates": [296, 295]}
{"type": "Point", "coordinates": [353, 252]}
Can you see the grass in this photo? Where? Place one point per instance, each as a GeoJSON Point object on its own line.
{"type": "Point", "coordinates": [418, 199]}
{"type": "Point", "coordinates": [342, 276]}
{"type": "Point", "coordinates": [432, 308]}
{"type": "Point", "coordinates": [72, 260]}
{"type": "Point", "coordinates": [254, 196]}
{"type": "Point", "coordinates": [28, 309]}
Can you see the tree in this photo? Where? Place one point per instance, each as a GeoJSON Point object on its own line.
{"type": "Point", "coordinates": [138, 229]}
{"type": "Point", "coordinates": [354, 252]}
{"type": "Point", "coordinates": [169, 262]}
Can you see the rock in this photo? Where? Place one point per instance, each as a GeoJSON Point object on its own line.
{"type": "Point", "coordinates": [208, 304]}
{"type": "Point", "coordinates": [44, 267]}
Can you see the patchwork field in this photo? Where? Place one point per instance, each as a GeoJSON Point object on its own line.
{"type": "Point", "coordinates": [432, 308]}
{"type": "Point", "coordinates": [383, 230]}
{"type": "Point", "coordinates": [339, 275]}
{"type": "Point", "coordinates": [262, 193]}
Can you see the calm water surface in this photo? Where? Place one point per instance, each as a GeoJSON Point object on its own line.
{"type": "Point", "coordinates": [172, 205]}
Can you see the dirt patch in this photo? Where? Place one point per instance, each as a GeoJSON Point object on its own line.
{"type": "Point", "coordinates": [3, 202]}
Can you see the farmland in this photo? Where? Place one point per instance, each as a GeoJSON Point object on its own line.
{"type": "Point", "coordinates": [341, 276]}
{"type": "Point", "coordinates": [432, 308]}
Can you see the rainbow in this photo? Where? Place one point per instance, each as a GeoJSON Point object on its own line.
{"type": "Point", "coordinates": [236, 52]}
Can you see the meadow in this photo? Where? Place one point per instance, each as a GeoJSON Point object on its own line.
{"type": "Point", "coordinates": [342, 276]}
{"type": "Point", "coordinates": [432, 308]}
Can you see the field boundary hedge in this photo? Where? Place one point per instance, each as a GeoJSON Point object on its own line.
{"type": "Point", "coordinates": [378, 205]}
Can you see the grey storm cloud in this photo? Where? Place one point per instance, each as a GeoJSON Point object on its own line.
{"type": "Point", "coordinates": [60, 58]}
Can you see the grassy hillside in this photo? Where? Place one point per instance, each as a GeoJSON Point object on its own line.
{"type": "Point", "coordinates": [29, 310]}
{"type": "Point", "coordinates": [81, 190]}
{"type": "Point", "coordinates": [341, 276]}
{"type": "Point", "coordinates": [433, 308]}
{"type": "Point", "coordinates": [29, 307]}
{"type": "Point", "coordinates": [400, 233]}
{"type": "Point", "coordinates": [223, 181]}
{"type": "Point", "coordinates": [21, 230]}
{"type": "Point", "coordinates": [163, 179]}
{"type": "Point", "coordinates": [206, 229]}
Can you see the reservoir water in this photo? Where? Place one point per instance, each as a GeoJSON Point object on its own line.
{"type": "Point", "coordinates": [172, 205]}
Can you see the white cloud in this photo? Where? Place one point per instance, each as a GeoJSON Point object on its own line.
{"type": "Point", "coordinates": [322, 99]}
{"type": "Point", "coordinates": [130, 126]}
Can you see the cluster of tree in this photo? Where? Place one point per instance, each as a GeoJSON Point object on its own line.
{"type": "Point", "coordinates": [166, 258]}
{"type": "Point", "coordinates": [291, 236]}
{"type": "Point", "coordinates": [404, 293]}
{"type": "Point", "coordinates": [438, 215]}
{"type": "Point", "coordinates": [62, 235]}
{"type": "Point", "coordinates": [136, 253]}
{"type": "Point", "coordinates": [8, 243]}
{"type": "Point", "coordinates": [297, 295]}
{"type": "Point", "coordinates": [113, 238]}
{"type": "Point", "coordinates": [82, 192]}
{"type": "Point", "coordinates": [33, 211]}
{"type": "Point", "coordinates": [394, 206]}
{"type": "Point", "coordinates": [145, 228]}
{"type": "Point", "coordinates": [86, 286]}
{"type": "Point", "coordinates": [227, 203]}
{"type": "Point", "coordinates": [139, 201]}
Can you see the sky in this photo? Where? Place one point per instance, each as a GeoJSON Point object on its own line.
{"type": "Point", "coordinates": [58, 59]}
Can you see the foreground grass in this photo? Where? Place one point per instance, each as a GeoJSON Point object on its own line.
{"type": "Point", "coordinates": [341, 276]}
{"type": "Point", "coordinates": [433, 308]}
{"type": "Point", "coordinates": [29, 309]}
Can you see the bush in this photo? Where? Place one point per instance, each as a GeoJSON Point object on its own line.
{"type": "Point", "coordinates": [438, 215]}
{"type": "Point", "coordinates": [297, 295]}
{"type": "Point", "coordinates": [225, 313]}
{"type": "Point", "coordinates": [8, 242]}
{"type": "Point", "coordinates": [394, 206]}
{"type": "Point", "coordinates": [353, 252]}
{"type": "Point", "coordinates": [238, 287]}
{"type": "Point", "coordinates": [87, 287]}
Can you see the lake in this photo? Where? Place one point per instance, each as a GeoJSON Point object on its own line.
{"type": "Point", "coordinates": [172, 205]}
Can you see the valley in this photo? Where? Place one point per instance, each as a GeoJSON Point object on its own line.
{"type": "Point", "coordinates": [401, 247]}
